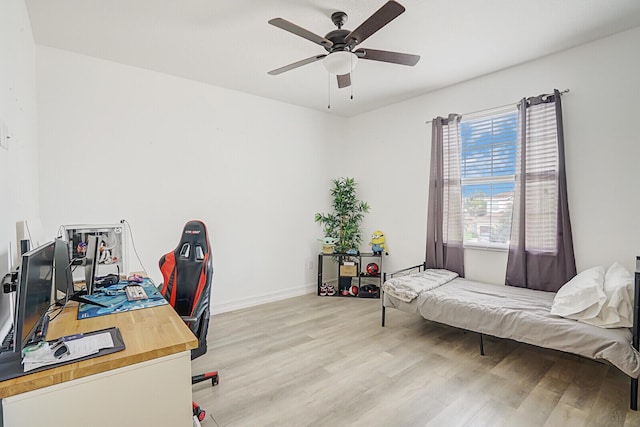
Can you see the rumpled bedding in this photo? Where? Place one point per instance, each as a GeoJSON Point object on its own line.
{"type": "Point", "coordinates": [407, 288]}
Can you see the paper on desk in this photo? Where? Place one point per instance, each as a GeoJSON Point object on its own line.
{"type": "Point", "coordinates": [81, 347]}
{"type": "Point", "coordinates": [89, 344]}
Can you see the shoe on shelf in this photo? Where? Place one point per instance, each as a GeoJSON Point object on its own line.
{"type": "Point", "coordinates": [331, 291]}
{"type": "Point", "coordinates": [323, 290]}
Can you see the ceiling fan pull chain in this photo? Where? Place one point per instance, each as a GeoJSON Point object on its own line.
{"type": "Point", "coordinates": [351, 85]}
{"type": "Point", "coordinates": [328, 91]}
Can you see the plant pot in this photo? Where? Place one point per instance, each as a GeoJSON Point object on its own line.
{"type": "Point", "coordinates": [327, 249]}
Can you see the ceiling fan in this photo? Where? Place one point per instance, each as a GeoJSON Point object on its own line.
{"type": "Point", "coordinates": [340, 44]}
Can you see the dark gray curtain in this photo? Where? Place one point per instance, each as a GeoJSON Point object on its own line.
{"type": "Point", "coordinates": [541, 246]}
{"type": "Point", "coordinates": [444, 215]}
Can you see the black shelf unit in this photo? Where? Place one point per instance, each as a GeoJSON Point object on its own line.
{"type": "Point", "coordinates": [368, 257]}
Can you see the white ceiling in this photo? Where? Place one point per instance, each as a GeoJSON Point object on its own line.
{"type": "Point", "coordinates": [230, 44]}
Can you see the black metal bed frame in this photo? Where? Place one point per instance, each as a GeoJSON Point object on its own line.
{"type": "Point", "coordinates": [633, 398]}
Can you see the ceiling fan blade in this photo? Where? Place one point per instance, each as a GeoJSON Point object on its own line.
{"type": "Point", "coordinates": [296, 65]}
{"type": "Point", "coordinates": [386, 56]}
{"type": "Point", "coordinates": [299, 31]}
{"type": "Point", "coordinates": [344, 80]}
{"type": "Point", "coordinates": [387, 13]}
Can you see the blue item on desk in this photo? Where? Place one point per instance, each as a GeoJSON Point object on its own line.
{"type": "Point", "coordinates": [115, 298]}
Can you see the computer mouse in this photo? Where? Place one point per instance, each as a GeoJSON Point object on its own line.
{"type": "Point", "coordinates": [134, 278]}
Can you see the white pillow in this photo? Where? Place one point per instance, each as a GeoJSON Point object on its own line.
{"type": "Point", "coordinates": [617, 312]}
{"type": "Point", "coordinates": [581, 297]}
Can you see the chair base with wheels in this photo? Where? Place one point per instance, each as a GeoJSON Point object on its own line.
{"type": "Point", "coordinates": [198, 412]}
{"type": "Point", "coordinates": [204, 377]}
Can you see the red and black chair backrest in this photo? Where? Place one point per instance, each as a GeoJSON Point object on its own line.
{"type": "Point", "coordinates": [187, 274]}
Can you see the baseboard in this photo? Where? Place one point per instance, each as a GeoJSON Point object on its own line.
{"type": "Point", "coordinates": [262, 299]}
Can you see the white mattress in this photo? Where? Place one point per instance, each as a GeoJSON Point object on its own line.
{"type": "Point", "coordinates": [522, 315]}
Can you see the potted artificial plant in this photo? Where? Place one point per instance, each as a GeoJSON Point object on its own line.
{"type": "Point", "coordinates": [343, 225]}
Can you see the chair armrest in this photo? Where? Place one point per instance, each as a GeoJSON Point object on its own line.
{"type": "Point", "coordinates": [188, 318]}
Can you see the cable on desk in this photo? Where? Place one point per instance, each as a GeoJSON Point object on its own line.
{"type": "Point", "coordinates": [59, 311]}
{"type": "Point", "coordinates": [133, 244]}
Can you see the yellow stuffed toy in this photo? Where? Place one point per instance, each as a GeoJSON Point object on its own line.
{"type": "Point", "coordinates": [377, 243]}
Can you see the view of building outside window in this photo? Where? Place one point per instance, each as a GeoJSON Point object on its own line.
{"type": "Point", "coordinates": [488, 156]}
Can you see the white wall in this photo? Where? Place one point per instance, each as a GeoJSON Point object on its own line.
{"type": "Point", "coordinates": [18, 162]}
{"type": "Point", "coordinates": [119, 142]}
{"type": "Point", "coordinates": [390, 150]}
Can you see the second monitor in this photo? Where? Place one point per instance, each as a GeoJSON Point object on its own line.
{"type": "Point", "coordinates": [63, 279]}
{"type": "Point", "coordinates": [91, 262]}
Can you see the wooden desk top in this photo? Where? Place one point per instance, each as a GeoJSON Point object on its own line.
{"type": "Point", "coordinates": [148, 334]}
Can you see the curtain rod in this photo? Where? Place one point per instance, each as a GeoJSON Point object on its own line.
{"type": "Point", "coordinates": [502, 106]}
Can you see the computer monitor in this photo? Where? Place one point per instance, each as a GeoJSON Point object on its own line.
{"type": "Point", "coordinates": [35, 283]}
{"type": "Point", "coordinates": [63, 279]}
{"type": "Point", "coordinates": [91, 262]}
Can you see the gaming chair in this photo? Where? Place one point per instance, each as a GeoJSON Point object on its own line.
{"type": "Point", "coordinates": [187, 273]}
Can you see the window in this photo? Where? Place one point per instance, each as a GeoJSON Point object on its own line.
{"type": "Point", "coordinates": [487, 171]}
{"type": "Point", "coordinates": [498, 180]}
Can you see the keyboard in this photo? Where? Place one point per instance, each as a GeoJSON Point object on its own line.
{"type": "Point", "coordinates": [7, 342]}
{"type": "Point", "coordinates": [135, 293]}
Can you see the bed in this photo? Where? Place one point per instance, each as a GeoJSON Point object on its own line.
{"type": "Point", "coordinates": [519, 314]}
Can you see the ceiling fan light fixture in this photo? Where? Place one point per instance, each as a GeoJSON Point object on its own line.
{"type": "Point", "coordinates": [340, 62]}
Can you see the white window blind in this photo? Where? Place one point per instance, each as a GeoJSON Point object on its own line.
{"type": "Point", "coordinates": [451, 221]}
{"type": "Point", "coordinates": [541, 175]}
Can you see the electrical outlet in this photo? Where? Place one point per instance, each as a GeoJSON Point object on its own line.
{"type": "Point", "coordinates": [309, 264]}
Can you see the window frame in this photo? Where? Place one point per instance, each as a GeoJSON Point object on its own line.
{"type": "Point", "coordinates": [488, 179]}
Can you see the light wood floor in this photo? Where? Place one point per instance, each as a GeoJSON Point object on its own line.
{"type": "Point", "coordinates": [326, 361]}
